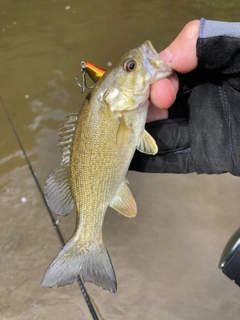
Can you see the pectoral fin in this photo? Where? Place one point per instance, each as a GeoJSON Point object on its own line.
{"type": "Point", "coordinates": [147, 144]}
{"type": "Point", "coordinates": [122, 133]}
{"type": "Point", "coordinates": [124, 202]}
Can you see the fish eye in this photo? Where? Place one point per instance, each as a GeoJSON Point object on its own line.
{"type": "Point", "coordinates": [129, 65]}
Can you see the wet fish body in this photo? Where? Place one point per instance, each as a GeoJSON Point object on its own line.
{"type": "Point", "coordinates": [98, 146]}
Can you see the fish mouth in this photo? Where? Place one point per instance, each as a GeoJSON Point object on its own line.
{"type": "Point", "coordinates": [155, 61]}
{"type": "Point", "coordinates": [149, 49]}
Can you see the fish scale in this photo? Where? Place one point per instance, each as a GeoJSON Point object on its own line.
{"type": "Point", "coordinates": [96, 155]}
{"type": "Point", "coordinates": [96, 167]}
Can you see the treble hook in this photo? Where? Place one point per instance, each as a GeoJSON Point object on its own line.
{"type": "Point", "coordinates": [84, 85]}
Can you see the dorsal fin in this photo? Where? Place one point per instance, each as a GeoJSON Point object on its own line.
{"type": "Point", "coordinates": [57, 190]}
{"type": "Point", "coordinates": [66, 133]}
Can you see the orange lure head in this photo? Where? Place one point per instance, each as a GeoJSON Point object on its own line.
{"type": "Point", "coordinates": [94, 72]}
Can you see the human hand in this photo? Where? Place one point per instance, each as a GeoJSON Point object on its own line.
{"type": "Point", "coordinates": [181, 56]}
{"type": "Point", "coordinates": [201, 132]}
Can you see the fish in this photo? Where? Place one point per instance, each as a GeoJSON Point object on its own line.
{"type": "Point", "coordinates": [98, 145]}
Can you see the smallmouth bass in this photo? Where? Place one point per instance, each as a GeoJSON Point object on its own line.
{"type": "Point", "coordinates": [98, 145]}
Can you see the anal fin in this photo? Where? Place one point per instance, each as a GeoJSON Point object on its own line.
{"type": "Point", "coordinates": [124, 202]}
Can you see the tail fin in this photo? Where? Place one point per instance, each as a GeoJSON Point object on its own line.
{"type": "Point", "coordinates": [93, 263]}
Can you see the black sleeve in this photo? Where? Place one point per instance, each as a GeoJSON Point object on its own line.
{"type": "Point", "coordinates": [202, 133]}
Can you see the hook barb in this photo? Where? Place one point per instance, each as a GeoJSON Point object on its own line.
{"type": "Point", "coordinates": [84, 85]}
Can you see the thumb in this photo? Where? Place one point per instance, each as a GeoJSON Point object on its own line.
{"type": "Point", "coordinates": [181, 54]}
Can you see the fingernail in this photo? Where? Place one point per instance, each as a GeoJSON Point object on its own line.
{"type": "Point", "coordinates": [166, 56]}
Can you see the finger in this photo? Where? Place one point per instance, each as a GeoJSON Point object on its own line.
{"type": "Point", "coordinates": [181, 53]}
{"type": "Point", "coordinates": [156, 113]}
{"type": "Point", "coordinates": [163, 92]}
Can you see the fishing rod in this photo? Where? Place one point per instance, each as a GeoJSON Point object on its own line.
{"type": "Point", "coordinates": [53, 220]}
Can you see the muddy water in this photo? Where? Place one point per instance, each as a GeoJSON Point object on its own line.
{"type": "Point", "coordinates": [41, 46]}
{"type": "Point", "coordinates": [43, 42]}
